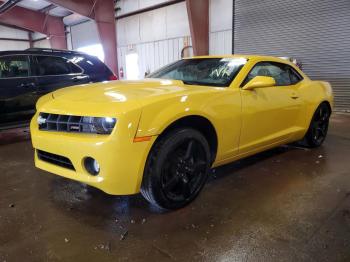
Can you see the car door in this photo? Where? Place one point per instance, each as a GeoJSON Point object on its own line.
{"type": "Point", "coordinates": [54, 72]}
{"type": "Point", "coordinates": [17, 87]}
{"type": "Point", "coordinates": [269, 114]}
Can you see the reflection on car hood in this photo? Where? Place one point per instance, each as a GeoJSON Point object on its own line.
{"type": "Point", "coordinates": [119, 91]}
{"type": "Point", "coordinates": [116, 97]}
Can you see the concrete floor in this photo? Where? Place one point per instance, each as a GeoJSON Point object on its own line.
{"type": "Point", "coordinates": [287, 204]}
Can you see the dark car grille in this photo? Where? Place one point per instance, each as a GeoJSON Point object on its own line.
{"type": "Point", "coordinates": [55, 159]}
{"type": "Point", "coordinates": [65, 123]}
{"type": "Point", "coordinates": [75, 124]}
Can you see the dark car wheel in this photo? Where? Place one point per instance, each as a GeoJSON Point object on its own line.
{"type": "Point", "coordinates": [317, 131]}
{"type": "Point", "coordinates": [176, 169]}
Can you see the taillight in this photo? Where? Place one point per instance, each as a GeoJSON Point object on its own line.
{"type": "Point", "coordinates": [113, 77]}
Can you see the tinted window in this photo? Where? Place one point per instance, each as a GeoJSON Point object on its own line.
{"type": "Point", "coordinates": [283, 74]}
{"type": "Point", "coordinates": [295, 77]}
{"type": "Point", "coordinates": [14, 66]}
{"type": "Point", "coordinates": [91, 65]}
{"type": "Point", "coordinates": [202, 71]}
{"type": "Point", "coordinates": [52, 65]}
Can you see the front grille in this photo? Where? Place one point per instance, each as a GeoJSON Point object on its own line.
{"type": "Point", "coordinates": [75, 124]}
{"type": "Point", "coordinates": [55, 159]}
{"type": "Point", "coordinates": [66, 123]}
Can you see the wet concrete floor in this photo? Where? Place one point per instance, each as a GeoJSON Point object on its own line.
{"type": "Point", "coordinates": [287, 204]}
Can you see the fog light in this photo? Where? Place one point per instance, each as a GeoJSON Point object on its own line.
{"type": "Point", "coordinates": [92, 166]}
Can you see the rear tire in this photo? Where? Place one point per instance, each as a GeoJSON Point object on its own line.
{"type": "Point", "coordinates": [318, 128]}
{"type": "Point", "coordinates": [176, 169]}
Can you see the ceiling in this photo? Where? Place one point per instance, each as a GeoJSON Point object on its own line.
{"type": "Point", "coordinates": [69, 18]}
{"type": "Point", "coordinates": [34, 4]}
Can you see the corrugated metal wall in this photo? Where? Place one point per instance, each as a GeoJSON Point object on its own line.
{"type": "Point", "coordinates": [220, 43]}
{"type": "Point", "coordinates": [316, 32]}
{"type": "Point", "coordinates": [153, 55]}
{"type": "Point", "coordinates": [156, 36]}
{"type": "Point", "coordinates": [8, 32]}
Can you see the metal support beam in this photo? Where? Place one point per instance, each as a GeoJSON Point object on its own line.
{"type": "Point", "coordinates": [13, 39]}
{"type": "Point", "coordinates": [39, 39]}
{"type": "Point", "coordinates": [82, 7]}
{"type": "Point", "coordinates": [30, 20]}
{"type": "Point", "coordinates": [198, 16]}
{"type": "Point", "coordinates": [150, 8]}
{"type": "Point", "coordinates": [102, 11]}
{"type": "Point", "coordinates": [48, 8]}
{"type": "Point", "coordinates": [104, 15]}
{"type": "Point", "coordinates": [5, 6]}
{"type": "Point", "coordinates": [14, 27]}
{"type": "Point", "coordinates": [30, 38]}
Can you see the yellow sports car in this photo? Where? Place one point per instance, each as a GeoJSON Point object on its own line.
{"type": "Point", "coordinates": [162, 135]}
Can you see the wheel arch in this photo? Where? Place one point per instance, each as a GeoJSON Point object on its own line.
{"type": "Point", "coordinates": [311, 112]}
{"type": "Point", "coordinates": [315, 107]}
{"type": "Point", "coordinates": [199, 123]}
{"type": "Point", "coordinates": [327, 103]}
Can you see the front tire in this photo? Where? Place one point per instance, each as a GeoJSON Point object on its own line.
{"type": "Point", "coordinates": [318, 129]}
{"type": "Point", "coordinates": [176, 169]}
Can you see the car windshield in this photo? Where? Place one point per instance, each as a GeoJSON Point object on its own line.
{"type": "Point", "coordinates": [202, 71]}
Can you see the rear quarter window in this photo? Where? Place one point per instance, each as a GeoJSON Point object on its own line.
{"type": "Point", "coordinates": [283, 74]}
{"type": "Point", "coordinates": [91, 65]}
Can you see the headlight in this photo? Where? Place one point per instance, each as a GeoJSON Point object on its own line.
{"type": "Point", "coordinates": [77, 124]}
{"type": "Point", "coordinates": [99, 125]}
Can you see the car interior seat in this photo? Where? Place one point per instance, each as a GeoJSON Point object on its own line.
{"type": "Point", "coordinates": [264, 72]}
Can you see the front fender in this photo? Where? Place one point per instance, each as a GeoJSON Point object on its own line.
{"type": "Point", "coordinates": [313, 94]}
{"type": "Point", "coordinates": [221, 108]}
{"type": "Point", "coordinates": [158, 116]}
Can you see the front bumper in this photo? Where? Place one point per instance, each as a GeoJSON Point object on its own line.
{"type": "Point", "coordinates": [121, 160]}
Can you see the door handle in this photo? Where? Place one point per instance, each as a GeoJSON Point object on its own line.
{"type": "Point", "coordinates": [78, 78]}
{"type": "Point", "coordinates": [26, 85]}
{"type": "Point", "coordinates": [294, 96]}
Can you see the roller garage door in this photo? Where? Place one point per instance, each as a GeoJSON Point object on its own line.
{"type": "Point", "coordinates": [315, 32]}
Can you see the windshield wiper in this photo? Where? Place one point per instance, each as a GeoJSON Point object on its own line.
{"type": "Point", "coordinates": [191, 82]}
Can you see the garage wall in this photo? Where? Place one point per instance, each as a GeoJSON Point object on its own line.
{"type": "Point", "coordinates": [157, 36]}
{"type": "Point", "coordinates": [8, 32]}
{"type": "Point", "coordinates": [153, 55]}
{"type": "Point", "coordinates": [13, 45]}
{"type": "Point", "coordinates": [44, 43]}
{"type": "Point", "coordinates": [83, 34]}
{"type": "Point", "coordinates": [220, 37]}
{"type": "Point", "coordinates": [317, 33]}
{"type": "Point", "coordinates": [128, 6]}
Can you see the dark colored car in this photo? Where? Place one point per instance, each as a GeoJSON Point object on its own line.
{"type": "Point", "coordinates": [27, 75]}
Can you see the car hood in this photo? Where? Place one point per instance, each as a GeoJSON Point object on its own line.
{"type": "Point", "coordinates": [116, 97]}
{"type": "Point", "coordinates": [120, 91]}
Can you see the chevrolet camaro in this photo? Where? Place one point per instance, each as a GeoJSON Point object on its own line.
{"type": "Point", "coordinates": [161, 136]}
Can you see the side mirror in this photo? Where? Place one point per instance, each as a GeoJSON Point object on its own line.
{"type": "Point", "coordinates": [259, 82]}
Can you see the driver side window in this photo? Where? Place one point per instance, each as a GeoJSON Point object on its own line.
{"type": "Point", "coordinates": [283, 74]}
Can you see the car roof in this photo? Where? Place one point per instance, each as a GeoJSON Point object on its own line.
{"type": "Point", "coordinates": [42, 51]}
{"type": "Point", "coordinates": [249, 57]}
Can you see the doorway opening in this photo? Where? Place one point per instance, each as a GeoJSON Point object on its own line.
{"type": "Point", "coordinates": [132, 66]}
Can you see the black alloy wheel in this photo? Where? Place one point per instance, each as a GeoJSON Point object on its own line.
{"type": "Point", "coordinates": [318, 127]}
{"type": "Point", "coordinates": [176, 169]}
{"type": "Point", "coordinates": [181, 174]}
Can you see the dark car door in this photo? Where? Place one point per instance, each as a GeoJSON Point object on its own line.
{"type": "Point", "coordinates": [54, 72]}
{"type": "Point", "coordinates": [17, 87]}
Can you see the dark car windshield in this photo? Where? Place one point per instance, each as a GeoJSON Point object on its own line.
{"type": "Point", "coordinates": [202, 71]}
